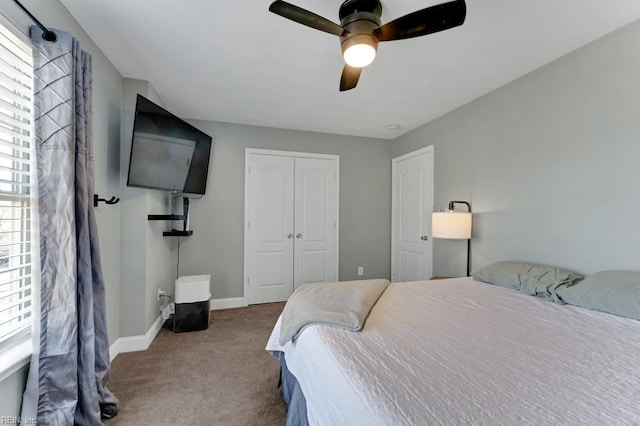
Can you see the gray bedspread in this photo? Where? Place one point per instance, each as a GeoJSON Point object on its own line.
{"type": "Point", "coordinates": [343, 304]}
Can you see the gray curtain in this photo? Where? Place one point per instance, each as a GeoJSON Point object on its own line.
{"type": "Point", "coordinates": [70, 361]}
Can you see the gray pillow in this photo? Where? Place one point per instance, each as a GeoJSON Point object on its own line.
{"type": "Point", "coordinates": [615, 292]}
{"type": "Point", "coordinates": [530, 278]}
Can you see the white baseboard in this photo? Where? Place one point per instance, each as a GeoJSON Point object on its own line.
{"type": "Point", "coordinates": [114, 349]}
{"type": "Point", "coordinates": [141, 343]}
{"type": "Point", "coordinates": [228, 303]}
{"type": "Point", "coordinates": [135, 343]}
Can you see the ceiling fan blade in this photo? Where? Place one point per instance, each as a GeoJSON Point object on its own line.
{"type": "Point", "coordinates": [426, 21]}
{"type": "Point", "coordinates": [304, 17]}
{"type": "Point", "coordinates": [350, 77]}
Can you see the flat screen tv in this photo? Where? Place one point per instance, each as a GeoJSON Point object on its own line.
{"type": "Point", "coordinates": [167, 153]}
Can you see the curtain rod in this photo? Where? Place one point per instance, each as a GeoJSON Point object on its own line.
{"type": "Point", "coordinates": [47, 34]}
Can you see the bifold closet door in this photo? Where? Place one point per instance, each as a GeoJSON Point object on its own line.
{"type": "Point", "coordinates": [270, 228]}
{"type": "Point", "coordinates": [292, 231]}
{"type": "Point", "coordinates": [315, 221]}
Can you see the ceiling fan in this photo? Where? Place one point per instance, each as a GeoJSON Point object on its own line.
{"type": "Point", "coordinates": [360, 29]}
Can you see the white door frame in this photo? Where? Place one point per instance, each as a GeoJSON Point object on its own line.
{"type": "Point", "coordinates": [251, 151]}
{"type": "Point", "coordinates": [394, 213]}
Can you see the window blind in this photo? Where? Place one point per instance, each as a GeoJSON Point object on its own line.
{"type": "Point", "coordinates": [16, 105]}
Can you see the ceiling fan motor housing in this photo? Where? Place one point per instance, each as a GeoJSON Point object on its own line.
{"type": "Point", "coordinates": [360, 28]}
{"type": "Point", "coordinates": [349, 7]}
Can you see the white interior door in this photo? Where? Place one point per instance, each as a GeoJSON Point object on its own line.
{"type": "Point", "coordinates": [315, 221]}
{"type": "Point", "coordinates": [412, 194]}
{"type": "Point", "coordinates": [270, 228]}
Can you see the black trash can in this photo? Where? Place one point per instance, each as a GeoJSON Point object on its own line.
{"type": "Point", "coordinates": [192, 309]}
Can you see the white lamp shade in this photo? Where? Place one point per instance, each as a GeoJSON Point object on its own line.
{"type": "Point", "coordinates": [451, 225]}
{"type": "Point", "coordinates": [359, 55]}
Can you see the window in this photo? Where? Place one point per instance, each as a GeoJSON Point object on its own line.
{"type": "Point", "coordinates": [16, 100]}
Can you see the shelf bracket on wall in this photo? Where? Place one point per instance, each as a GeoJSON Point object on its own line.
{"type": "Point", "coordinates": [164, 217]}
{"type": "Point", "coordinates": [173, 232]}
{"type": "Point", "coordinates": [176, 233]}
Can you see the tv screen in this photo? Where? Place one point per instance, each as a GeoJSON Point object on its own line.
{"type": "Point", "coordinates": [167, 153]}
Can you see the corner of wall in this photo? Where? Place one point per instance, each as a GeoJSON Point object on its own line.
{"type": "Point", "coordinates": [146, 255]}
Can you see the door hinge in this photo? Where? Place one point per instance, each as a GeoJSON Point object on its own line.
{"type": "Point", "coordinates": [248, 281]}
{"type": "Point", "coordinates": [248, 225]}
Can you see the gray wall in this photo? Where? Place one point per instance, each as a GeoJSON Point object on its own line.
{"type": "Point", "coordinates": [106, 133]}
{"type": "Point", "coordinates": [11, 390]}
{"type": "Point", "coordinates": [549, 163]}
{"type": "Point", "coordinates": [146, 257]}
{"type": "Point", "coordinates": [217, 244]}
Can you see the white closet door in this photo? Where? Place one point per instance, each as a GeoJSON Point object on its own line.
{"type": "Point", "coordinates": [270, 228]}
{"type": "Point", "coordinates": [315, 249]}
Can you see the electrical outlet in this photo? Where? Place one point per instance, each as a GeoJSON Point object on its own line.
{"type": "Point", "coordinates": [360, 271]}
{"type": "Point", "coordinates": [161, 293]}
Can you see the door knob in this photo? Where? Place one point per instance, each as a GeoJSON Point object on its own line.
{"type": "Point", "coordinates": [298, 235]}
{"type": "Point", "coordinates": [290, 236]}
{"type": "Point", "coordinates": [424, 238]}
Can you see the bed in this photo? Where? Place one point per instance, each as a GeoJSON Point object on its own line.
{"type": "Point", "coordinates": [460, 351]}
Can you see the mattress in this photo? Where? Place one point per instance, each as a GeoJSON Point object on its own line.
{"type": "Point", "coordinates": [459, 351]}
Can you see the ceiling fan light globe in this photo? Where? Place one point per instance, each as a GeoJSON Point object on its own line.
{"type": "Point", "coordinates": [359, 55]}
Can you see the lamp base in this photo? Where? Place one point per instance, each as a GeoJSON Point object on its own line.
{"type": "Point", "coordinates": [469, 257]}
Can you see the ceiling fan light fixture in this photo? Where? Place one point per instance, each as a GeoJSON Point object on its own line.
{"type": "Point", "coordinates": [361, 30]}
{"type": "Point", "coordinates": [360, 50]}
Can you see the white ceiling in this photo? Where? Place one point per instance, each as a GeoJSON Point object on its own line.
{"type": "Point", "coordinates": [234, 61]}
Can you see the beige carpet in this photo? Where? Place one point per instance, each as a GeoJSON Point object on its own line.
{"type": "Point", "coordinates": [220, 376]}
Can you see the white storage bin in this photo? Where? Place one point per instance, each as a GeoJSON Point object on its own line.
{"type": "Point", "coordinates": [192, 310]}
